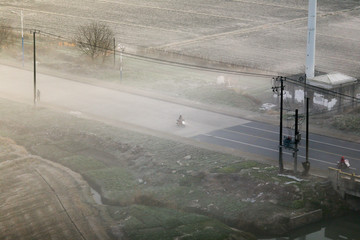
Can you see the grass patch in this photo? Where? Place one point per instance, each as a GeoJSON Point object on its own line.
{"type": "Point", "coordinates": [51, 151]}
{"type": "Point", "coordinates": [238, 166]}
{"type": "Point", "coordinates": [81, 164]}
{"type": "Point", "coordinates": [213, 94]}
{"type": "Point", "coordinates": [112, 179]}
{"type": "Point", "coordinates": [350, 122]}
{"type": "Point", "coordinates": [153, 223]}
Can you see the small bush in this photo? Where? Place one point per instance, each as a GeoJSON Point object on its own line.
{"type": "Point", "coordinates": [297, 204]}
{"type": "Point", "coordinates": [5, 32]}
{"type": "Point", "coordinates": [347, 122]}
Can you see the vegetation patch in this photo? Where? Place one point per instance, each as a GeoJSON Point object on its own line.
{"type": "Point", "coordinates": [152, 223]}
{"type": "Point", "coordinates": [129, 168]}
{"type": "Point", "coordinates": [350, 122]}
{"type": "Point", "coordinates": [82, 164]}
{"type": "Point", "coordinates": [237, 167]}
{"type": "Point", "coordinates": [113, 179]}
{"type": "Point", "coordinates": [219, 94]}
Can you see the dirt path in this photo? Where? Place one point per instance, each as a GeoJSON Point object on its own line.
{"type": "Point", "coordinates": [44, 200]}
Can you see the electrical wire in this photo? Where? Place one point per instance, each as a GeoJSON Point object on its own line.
{"type": "Point", "coordinates": [197, 67]}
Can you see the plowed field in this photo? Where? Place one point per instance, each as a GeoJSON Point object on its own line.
{"type": "Point", "coordinates": [260, 34]}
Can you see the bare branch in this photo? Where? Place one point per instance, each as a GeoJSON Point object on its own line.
{"type": "Point", "coordinates": [94, 39]}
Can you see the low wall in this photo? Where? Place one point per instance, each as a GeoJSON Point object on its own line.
{"type": "Point", "coordinates": [306, 218]}
{"type": "Point", "coordinates": [345, 183]}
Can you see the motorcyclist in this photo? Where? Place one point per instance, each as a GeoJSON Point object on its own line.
{"type": "Point", "coordinates": [180, 121]}
{"type": "Point", "coordinates": [343, 163]}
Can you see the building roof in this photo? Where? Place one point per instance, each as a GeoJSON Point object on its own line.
{"type": "Point", "coordinates": [332, 80]}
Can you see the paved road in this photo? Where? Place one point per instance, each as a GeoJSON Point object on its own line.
{"type": "Point", "coordinates": [263, 139]}
{"type": "Point", "coordinates": [116, 106]}
{"type": "Point", "coordinates": [107, 104]}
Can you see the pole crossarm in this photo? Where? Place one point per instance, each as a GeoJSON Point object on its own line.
{"type": "Point", "coordinates": [34, 31]}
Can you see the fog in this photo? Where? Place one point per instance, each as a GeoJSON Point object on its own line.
{"type": "Point", "coordinates": [99, 155]}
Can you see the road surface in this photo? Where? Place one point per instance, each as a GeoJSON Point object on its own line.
{"type": "Point", "coordinates": [117, 106]}
{"type": "Point", "coordinates": [263, 139]}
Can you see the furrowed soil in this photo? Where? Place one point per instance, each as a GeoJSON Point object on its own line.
{"type": "Point", "coordinates": [151, 187]}
{"type": "Point", "coordinates": [259, 34]}
{"type": "Point", "coordinates": [44, 200]}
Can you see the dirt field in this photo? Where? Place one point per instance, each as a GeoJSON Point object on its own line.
{"type": "Point", "coordinates": [260, 34]}
{"type": "Point", "coordinates": [44, 200]}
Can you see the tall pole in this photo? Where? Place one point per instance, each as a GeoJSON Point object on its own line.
{"type": "Point", "coordinates": [306, 164]}
{"type": "Point", "coordinates": [22, 35]}
{"type": "Point", "coordinates": [122, 48]}
{"type": "Point", "coordinates": [281, 165]}
{"type": "Point", "coordinates": [307, 130]}
{"type": "Point", "coordinates": [310, 48]}
{"type": "Point", "coordinates": [296, 140]}
{"type": "Point", "coordinates": [34, 67]}
{"type": "Point", "coordinates": [121, 66]}
{"type": "Point", "coordinates": [114, 51]}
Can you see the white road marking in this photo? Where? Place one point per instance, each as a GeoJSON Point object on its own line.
{"type": "Point", "coordinates": [269, 149]}
{"type": "Point", "coordinates": [325, 143]}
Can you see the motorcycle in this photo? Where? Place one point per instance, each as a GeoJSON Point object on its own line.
{"type": "Point", "coordinates": [343, 164]}
{"type": "Point", "coordinates": [180, 122]}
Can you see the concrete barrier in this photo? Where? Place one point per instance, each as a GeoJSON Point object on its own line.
{"type": "Point", "coordinates": [304, 219]}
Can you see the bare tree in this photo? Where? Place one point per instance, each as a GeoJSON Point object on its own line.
{"type": "Point", "coordinates": [5, 32]}
{"type": "Point", "coordinates": [94, 39]}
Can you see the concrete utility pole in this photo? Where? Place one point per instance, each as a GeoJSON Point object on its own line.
{"type": "Point", "coordinates": [114, 51]}
{"type": "Point", "coordinates": [307, 129]}
{"type": "Point", "coordinates": [34, 67]}
{"type": "Point", "coordinates": [275, 89]}
{"type": "Point", "coordinates": [34, 39]}
{"type": "Point", "coordinates": [281, 164]}
{"type": "Point", "coordinates": [122, 49]}
{"type": "Point", "coordinates": [296, 140]}
{"type": "Point", "coordinates": [306, 164]}
{"type": "Point", "coordinates": [310, 49]}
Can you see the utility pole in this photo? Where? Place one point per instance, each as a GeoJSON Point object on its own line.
{"type": "Point", "coordinates": [122, 49]}
{"type": "Point", "coordinates": [297, 136]}
{"type": "Point", "coordinates": [307, 130]}
{"type": "Point", "coordinates": [275, 89]}
{"type": "Point", "coordinates": [114, 51]}
{"type": "Point", "coordinates": [310, 48]}
{"type": "Point", "coordinates": [34, 39]}
{"type": "Point", "coordinates": [306, 164]}
{"type": "Point", "coordinates": [22, 35]}
{"type": "Point", "coordinates": [281, 164]}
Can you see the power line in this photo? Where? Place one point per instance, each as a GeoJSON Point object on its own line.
{"type": "Point", "coordinates": [322, 89]}
{"type": "Point", "coordinates": [167, 62]}
{"type": "Point", "coordinates": [197, 67]}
